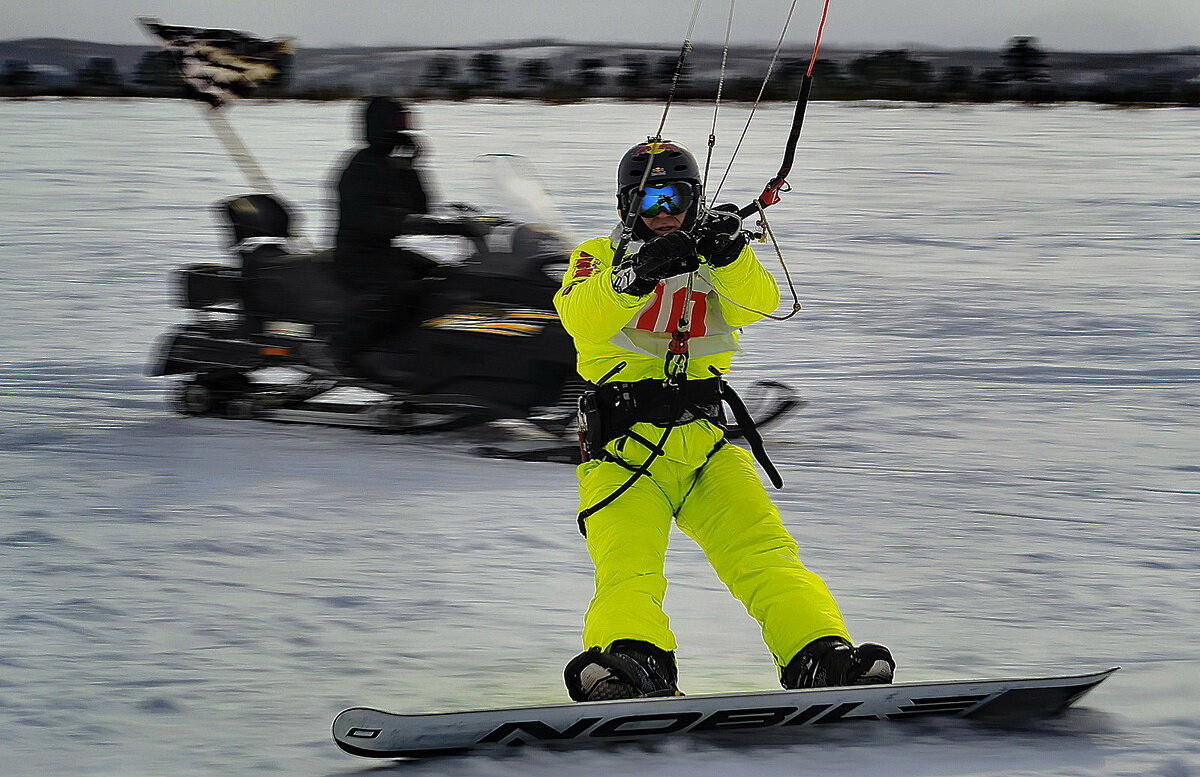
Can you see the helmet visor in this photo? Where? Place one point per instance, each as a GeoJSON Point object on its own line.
{"type": "Point", "coordinates": [673, 197]}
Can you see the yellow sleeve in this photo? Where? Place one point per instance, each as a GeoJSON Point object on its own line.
{"type": "Point", "coordinates": [746, 282]}
{"type": "Point", "coordinates": [588, 305]}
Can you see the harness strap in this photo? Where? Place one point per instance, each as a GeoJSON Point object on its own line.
{"type": "Point", "coordinates": [746, 424]}
{"type": "Point", "coordinates": [655, 452]}
{"type": "Point", "coordinates": [632, 435]}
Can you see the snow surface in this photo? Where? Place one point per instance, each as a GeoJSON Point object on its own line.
{"type": "Point", "coordinates": [997, 472]}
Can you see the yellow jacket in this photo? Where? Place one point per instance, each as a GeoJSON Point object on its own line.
{"type": "Point", "coordinates": [610, 328]}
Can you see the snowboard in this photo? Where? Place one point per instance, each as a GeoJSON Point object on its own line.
{"type": "Point", "coordinates": [742, 716]}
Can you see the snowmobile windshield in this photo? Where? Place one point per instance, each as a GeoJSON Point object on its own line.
{"type": "Point", "coordinates": [514, 189]}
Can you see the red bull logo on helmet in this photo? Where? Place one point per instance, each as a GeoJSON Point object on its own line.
{"type": "Point", "coordinates": [656, 148]}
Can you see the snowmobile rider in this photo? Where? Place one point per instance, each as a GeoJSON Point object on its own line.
{"type": "Point", "coordinates": [381, 195]}
{"type": "Point", "coordinates": [656, 450]}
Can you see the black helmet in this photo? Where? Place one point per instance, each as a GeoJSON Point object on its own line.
{"type": "Point", "coordinates": [668, 160]}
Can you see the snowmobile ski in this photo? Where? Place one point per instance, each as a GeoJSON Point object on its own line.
{"type": "Point", "coordinates": [373, 733]}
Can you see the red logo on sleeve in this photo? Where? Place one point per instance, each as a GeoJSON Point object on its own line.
{"type": "Point", "coordinates": [584, 265]}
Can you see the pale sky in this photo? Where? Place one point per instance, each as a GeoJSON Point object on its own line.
{"type": "Point", "coordinates": [1077, 25]}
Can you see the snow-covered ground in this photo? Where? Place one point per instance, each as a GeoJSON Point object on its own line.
{"type": "Point", "coordinates": [997, 472]}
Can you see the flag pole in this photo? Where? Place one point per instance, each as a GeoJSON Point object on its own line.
{"type": "Point", "coordinates": [237, 150]}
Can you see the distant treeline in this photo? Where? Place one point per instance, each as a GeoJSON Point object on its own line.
{"type": "Point", "coordinates": [896, 74]}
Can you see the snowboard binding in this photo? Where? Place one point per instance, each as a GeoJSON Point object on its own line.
{"type": "Point", "coordinates": [832, 661]}
{"type": "Point", "coordinates": [629, 669]}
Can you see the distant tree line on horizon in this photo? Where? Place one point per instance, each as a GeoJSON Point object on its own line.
{"type": "Point", "coordinates": [893, 74]}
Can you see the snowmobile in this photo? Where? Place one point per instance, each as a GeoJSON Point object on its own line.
{"type": "Point", "coordinates": [489, 346]}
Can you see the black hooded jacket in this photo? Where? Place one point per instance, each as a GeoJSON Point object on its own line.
{"type": "Point", "coordinates": [376, 192]}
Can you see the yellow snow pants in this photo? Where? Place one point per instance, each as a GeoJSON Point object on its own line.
{"type": "Point", "coordinates": [719, 502]}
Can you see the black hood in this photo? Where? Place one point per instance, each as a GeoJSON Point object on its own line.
{"type": "Point", "coordinates": [383, 121]}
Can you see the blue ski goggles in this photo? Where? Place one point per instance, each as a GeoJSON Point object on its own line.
{"type": "Point", "coordinates": [673, 197]}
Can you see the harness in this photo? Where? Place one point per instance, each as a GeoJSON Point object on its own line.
{"type": "Point", "coordinates": [608, 412]}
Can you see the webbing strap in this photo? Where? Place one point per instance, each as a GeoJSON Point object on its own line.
{"type": "Point", "coordinates": [750, 431]}
{"type": "Point", "coordinates": [655, 452]}
{"type": "Point", "coordinates": [745, 423]}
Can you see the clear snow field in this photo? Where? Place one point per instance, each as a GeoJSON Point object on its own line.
{"type": "Point", "coordinates": [997, 472]}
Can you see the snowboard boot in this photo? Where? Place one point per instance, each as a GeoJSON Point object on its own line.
{"type": "Point", "coordinates": [629, 669]}
{"type": "Point", "coordinates": [832, 661]}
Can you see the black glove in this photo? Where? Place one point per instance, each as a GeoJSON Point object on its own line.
{"type": "Point", "coordinates": [660, 258]}
{"type": "Point", "coordinates": [719, 238]}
